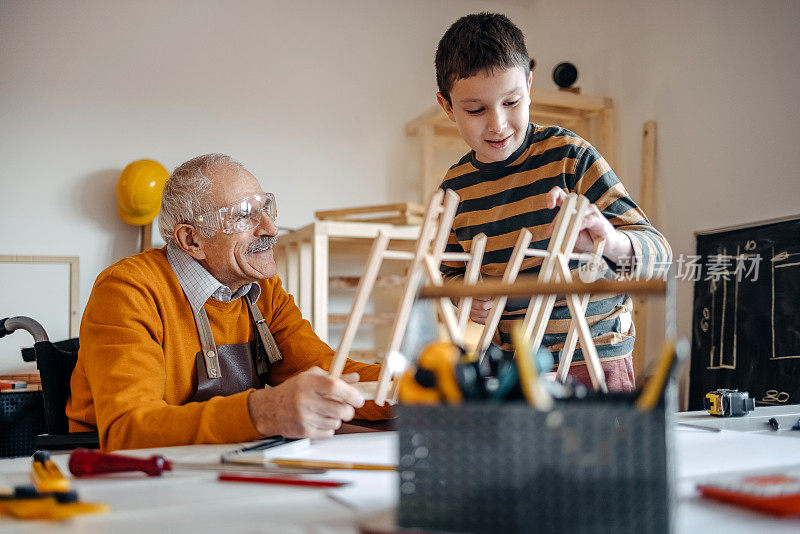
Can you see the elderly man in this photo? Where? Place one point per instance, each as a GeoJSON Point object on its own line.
{"type": "Point", "coordinates": [176, 343]}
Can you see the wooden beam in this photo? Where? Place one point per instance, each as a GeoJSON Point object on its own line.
{"type": "Point", "coordinates": [524, 286]}
{"type": "Point", "coordinates": [428, 176]}
{"type": "Point", "coordinates": [570, 100]}
{"type": "Point", "coordinates": [344, 282]}
{"type": "Point", "coordinates": [146, 232]}
{"type": "Point", "coordinates": [403, 207]}
{"type": "Point", "coordinates": [366, 318]}
{"type": "Point", "coordinates": [647, 202]}
{"type": "Point", "coordinates": [431, 116]}
{"type": "Point", "coordinates": [451, 142]}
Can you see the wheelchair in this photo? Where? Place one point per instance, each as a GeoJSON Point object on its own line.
{"type": "Point", "coordinates": [55, 362]}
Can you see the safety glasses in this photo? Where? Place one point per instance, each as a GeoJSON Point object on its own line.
{"type": "Point", "coordinates": [242, 215]}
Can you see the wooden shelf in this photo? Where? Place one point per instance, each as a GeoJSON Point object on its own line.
{"type": "Point", "coordinates": [303, 257]}
{"type": "Point", "coordinates": [402, 213]}
{"type": "Point", "coordinates": [386, 318]}
{"type": "Point", "coordinates": [348, 282]}
{"type": "Point", "coordinates": [366, 356]}
{"type": "Point", "coordinates": [33, 379]}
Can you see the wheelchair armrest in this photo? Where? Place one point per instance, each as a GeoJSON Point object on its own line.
{"type": "Point", "coordinates": [67, 442]}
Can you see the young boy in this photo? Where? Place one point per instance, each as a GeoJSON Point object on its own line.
{"type": "Point", "coordinates": [517, 175]}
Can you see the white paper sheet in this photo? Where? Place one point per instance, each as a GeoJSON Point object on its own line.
{"type": "Point", "coordinates": [699, 453]}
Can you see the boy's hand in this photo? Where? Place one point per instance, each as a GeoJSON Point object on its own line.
{"type": "Point", "coordinates": [480, 309]}
{"type": "Point", "coordinates": [594, 227]}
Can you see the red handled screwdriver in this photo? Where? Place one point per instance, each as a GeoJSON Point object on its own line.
{"type": "Point", "coordinates": [84, 462]}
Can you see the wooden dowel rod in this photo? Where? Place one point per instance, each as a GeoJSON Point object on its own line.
{"type": "Point", "coordinates": [146, 233]}
{"type": "Point", "coordinates": [456, 256]}
{"type": "Point", "coordinates": [398, 255]}
{"type": "Point", "coordinates": [543, 254]}
{"type": "Point", "coordinates": [524, 288]}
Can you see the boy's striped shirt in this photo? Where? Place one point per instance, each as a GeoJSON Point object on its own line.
{"type": "Point", "coordinates": [499, 199]}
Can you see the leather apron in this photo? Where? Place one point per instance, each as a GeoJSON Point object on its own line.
{"type": "Point", "coordinates": [236, 367]}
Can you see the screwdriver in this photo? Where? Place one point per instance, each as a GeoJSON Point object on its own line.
{"type": "Point", "coordinates": [84, 462]}
{"type": "Point", "coordinates": [46, 476]}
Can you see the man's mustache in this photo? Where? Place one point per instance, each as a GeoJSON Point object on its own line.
{"type": "Point", "coordinates": [261, 244]}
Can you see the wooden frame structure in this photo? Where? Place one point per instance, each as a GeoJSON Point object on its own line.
{"type": "Point", "coordinates": [554, 268]}
{"type": "Point", "coordinates": [529, 286]}
{"type": "Point", "coordinates": [425, 260]}
{"type": "Point", "coordinates": [73, 263]}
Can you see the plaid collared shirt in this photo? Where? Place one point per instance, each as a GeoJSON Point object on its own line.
{"type": "Point", "coordinates": [198, 284]}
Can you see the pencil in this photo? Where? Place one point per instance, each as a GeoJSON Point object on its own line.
{"type": "Point", "coordinates": [285, 462]}
{"type": "Point", "coordinates": [654, 387]}
{"type": "Point", "coordinates": [281, 480]}
{"type": "Point", "coordinates": [534, 393]}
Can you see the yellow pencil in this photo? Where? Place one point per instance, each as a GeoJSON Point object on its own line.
{"type": "Point", "coordinates": [534, 393]}
{"type": "Point", "coordinates": [285, 462]}
{"type": "Point", "coordinates": [654, 387]}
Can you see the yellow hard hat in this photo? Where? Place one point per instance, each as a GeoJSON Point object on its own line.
{"type": "Point", "coordinates": [139, 191]}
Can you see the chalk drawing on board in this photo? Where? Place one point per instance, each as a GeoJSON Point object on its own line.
{"type": "Point", "coordinates": [722, 355]}
{"type": "Point", "coordinates": [722, 320]}
{"type": "Point", "coordinates": [783, 279]}
{"type": "Point", "coordinates": [773, 396]}
{"type": "Point", "coordinates": [755, 344]}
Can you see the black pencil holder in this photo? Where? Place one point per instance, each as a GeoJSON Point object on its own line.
{"type": "Point", "coordinates": [586, 466]}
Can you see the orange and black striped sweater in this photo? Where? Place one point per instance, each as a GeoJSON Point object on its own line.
{"type": "Point", "coordinates": [499, 199]}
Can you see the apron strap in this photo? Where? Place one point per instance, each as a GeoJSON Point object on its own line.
{"type": "Point", "coordinates": [207, 344]}
{"type": "Point", "coordinates": [210, 348]}
{"type": "Point", "coordinates": [273, 352]}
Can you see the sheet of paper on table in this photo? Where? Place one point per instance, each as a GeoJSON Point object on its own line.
{"type": "Point", "coordinates": [701, 455]}
{"type": "Point", "coordinates": [369, 491]}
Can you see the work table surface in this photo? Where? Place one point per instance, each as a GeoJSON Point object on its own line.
{"type": "Point", "coordinates": [194, 501]}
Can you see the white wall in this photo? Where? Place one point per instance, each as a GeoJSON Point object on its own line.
{"type": "Point", "coordinates": [312, 96]}
{"type": "Point", "coordinates": [722, 80]}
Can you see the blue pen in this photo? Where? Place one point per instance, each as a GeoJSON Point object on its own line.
{"type": "Point", "coordinates": [272, 441]}
{"type": "Point", "coordinates": [254, 453]}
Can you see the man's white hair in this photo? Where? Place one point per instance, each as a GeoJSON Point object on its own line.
{"type": "Point", "coordinates": [187, 193]}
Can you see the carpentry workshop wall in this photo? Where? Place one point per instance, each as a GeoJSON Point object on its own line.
{"type": "Point", "coordinates": [721, 81]}
{"type": "Point", "coordinates": [311, 95]}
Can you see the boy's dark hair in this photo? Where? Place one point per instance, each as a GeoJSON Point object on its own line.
{"type": "Point", "coordinates": [479, 42]}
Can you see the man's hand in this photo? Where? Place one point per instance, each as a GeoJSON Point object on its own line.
{"type": "Point", "coordinates": [309, 405]}
{"type": "Point", "coordinates": [480, 309]}
{"type": "Point", "coordinates": [593, 228]}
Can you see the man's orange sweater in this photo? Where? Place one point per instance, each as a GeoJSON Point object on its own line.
{"type": "Point", "coordinates": [136, 364]}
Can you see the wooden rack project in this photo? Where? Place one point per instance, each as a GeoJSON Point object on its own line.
{"type": "Point", "coordinates": [425, 260]}
{"type": "Point", "coordinates": [531, 286]}
{"type": "Point", "coordinates": [554, 268]}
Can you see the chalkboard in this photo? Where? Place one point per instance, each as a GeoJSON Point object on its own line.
{"type": "Point", "coordinates": [746, 319]}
